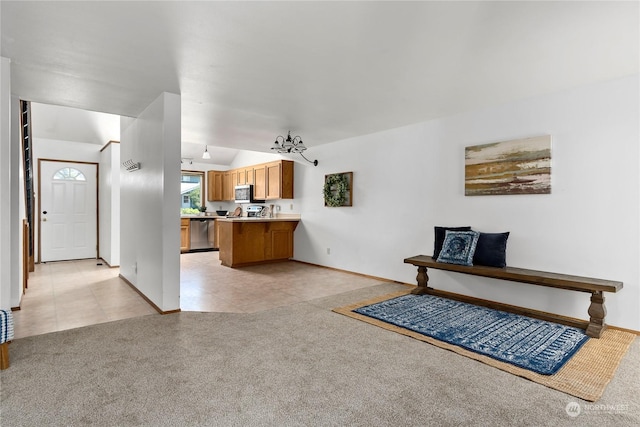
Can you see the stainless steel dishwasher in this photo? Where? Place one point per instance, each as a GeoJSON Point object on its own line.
{"type": "Point", "coordinates": [200, 234]}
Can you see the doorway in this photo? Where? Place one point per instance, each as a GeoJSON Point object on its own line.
{"type": "Point", "coordinates": [67, 210]}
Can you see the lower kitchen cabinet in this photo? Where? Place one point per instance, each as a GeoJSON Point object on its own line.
{"type": "Point", "coordinates": [214, 233]}
{"type": "Point", "coordinates": [185, 234]}
{"type": "Point", "coordinates": [248, 242]}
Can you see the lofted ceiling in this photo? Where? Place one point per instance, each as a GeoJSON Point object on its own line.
{"type": "Point", "coordinates": [249, 71]}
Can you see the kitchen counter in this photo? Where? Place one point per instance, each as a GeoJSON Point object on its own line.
{"type": "Point", "coordinates": [255, 240]}
{"type": "Point", "coordinates": [256, 219]}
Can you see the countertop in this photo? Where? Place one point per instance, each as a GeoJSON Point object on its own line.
{"type": "Point", "coordinates": [258, 219]}
{"type": "Point", "coordinates": [279, 217]}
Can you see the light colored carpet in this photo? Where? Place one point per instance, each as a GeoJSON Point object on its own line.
{"type": "Point", "coordinates": [299, 365]}
{"type": "Point", "coordinates": [585, 375]}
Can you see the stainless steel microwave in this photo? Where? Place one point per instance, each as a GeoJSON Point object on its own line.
{"type": "Point", "coordinates": [244, 194]}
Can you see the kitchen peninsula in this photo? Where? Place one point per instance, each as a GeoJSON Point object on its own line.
{"type": "Point", "coordinates": [256, 240]}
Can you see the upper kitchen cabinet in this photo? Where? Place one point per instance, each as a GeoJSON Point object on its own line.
{"type": "Point", "coordinates": [245, 176]}
{"type": "Point", "coordinates": [260, 182]}
{"type": "Point", "coordinates": [229, 181]}
{"type": "Point", "coordinates": [279, 180]}
{"type": "Point", "coordinates": [250, 175]}
{"type": "Point", "coordinates": [270, 181]}
{"type": "Point", "coordinates": [241, 177]}
{"type": "Point", "coordinates": [214, 186]}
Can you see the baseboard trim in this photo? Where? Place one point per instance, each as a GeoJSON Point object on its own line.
{"type": "Point", "coordinates": [368, 276]}
{"type": "Point", "coordinates": [151, 303]}
{"type": "Point", "coordinates": [109, 265]}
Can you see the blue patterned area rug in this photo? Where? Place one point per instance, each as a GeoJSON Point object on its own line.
{"type": "Point", "coordinates": [532, 344]}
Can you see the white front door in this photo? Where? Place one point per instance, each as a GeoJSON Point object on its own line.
{"type": "Point", "coordinates": [68, 210]}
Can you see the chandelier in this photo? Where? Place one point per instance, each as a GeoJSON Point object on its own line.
{"type": "Point", "coordinates": [291, 145]}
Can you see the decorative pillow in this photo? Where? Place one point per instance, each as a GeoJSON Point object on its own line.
{"type": "Point", "coordinates": [491, 250]}
{"type": "Point", "coordinates": [439, 237]}
{"type": "Point", "coordinates": [458, 247]}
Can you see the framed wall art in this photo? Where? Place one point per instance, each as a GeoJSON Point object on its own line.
{"type": "Point", "coordinates": [338, 189]}
{"type": "Point", "coordinates": [520, 166]}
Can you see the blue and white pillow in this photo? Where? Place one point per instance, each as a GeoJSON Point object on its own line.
{"type": "Point", "coordinates": [458, 247]}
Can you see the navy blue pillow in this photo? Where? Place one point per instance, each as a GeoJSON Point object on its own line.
{"type": "Point", "coordinates": [439, 237]}
{"type": "Point", "coordinates": [491, 250]}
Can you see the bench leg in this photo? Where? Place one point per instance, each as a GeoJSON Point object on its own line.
{"type": "Point", "coordinates": [597, 312]}
{"type": "Point", "coordinates": [4, 355]}
{"type": "Point", "coordinates": [423, 280]}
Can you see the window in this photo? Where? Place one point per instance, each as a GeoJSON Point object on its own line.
{"type": "Point", "coordinates": [69, 174]}
{"type": "Point", "coordinates": [191, 191]}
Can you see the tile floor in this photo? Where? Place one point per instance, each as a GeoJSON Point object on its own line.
{"type": "Point", "coordinates": [70, 294]}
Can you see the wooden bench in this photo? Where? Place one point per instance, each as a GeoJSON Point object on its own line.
{"type": "Point", "coordinates": [596, 287]}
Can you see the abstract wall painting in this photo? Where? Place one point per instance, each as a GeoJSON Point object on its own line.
{"type": "Point", "coordinates": [520, 166]}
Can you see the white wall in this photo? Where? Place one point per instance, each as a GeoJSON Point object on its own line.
{"type": "Point", "coordinates": [109, 197]}
{"type": "Point", "coordinates": [150, 208]}
{"type": "Point", "coordinates": [18, 208]}
{"type": "Point", "coordinates": [6, 224]}
{"type": "Point", "coordinates": [12, 212]}
{"type": "Point", "coordinates": [410, 179]}
{"type": "Point", "coordinates": [44, 148]}
{"type": "Point", "coordinates": [247, 158]}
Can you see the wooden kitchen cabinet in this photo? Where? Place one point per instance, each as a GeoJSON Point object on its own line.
{"type": "Point", "coordinates": [260, 182]}
{"type": "Point", "coordinates": [279, 244]}
{"type": "Point", "coordinates": [241, 177]}
{"type": "Point", "coordinates": [270, 181]}
{"type": "Point", "coordinates": [279, 180]}
{"type": "Point", "coordinates": [249, 242]}
{"type": "Point", "coordinates": [214, 186]}
{"type": "Point", "coordinates": [245, 176]}
{"type": "Point", "coordinates": [216, 233]}
{"type": "Point", "coordinates": [250, 175]}
{"type": "Point", "coordinates": [185, 237]}
{"type": "Point", "coordinates": [229, 181]}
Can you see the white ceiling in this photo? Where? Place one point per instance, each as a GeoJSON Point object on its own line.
{"type": "Point", "coordinates": [249, 71]}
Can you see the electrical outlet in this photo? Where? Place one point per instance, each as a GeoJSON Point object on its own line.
{"type": "Point", "coordinates": [135, 268]}
{"type": "Point", "coordinates": [328, 251]}
{"type": "Point", "coordinates": [277, 208]}
{"type": "Point", "coordinates": [291, 207]}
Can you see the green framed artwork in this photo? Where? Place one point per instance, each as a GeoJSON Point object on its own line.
{"type": "Point", "coordinates": [338, 189]}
